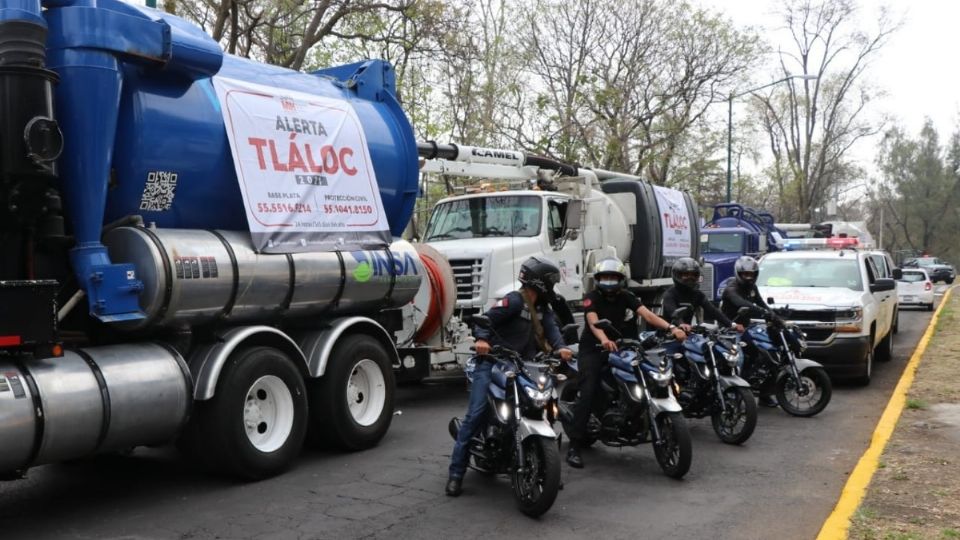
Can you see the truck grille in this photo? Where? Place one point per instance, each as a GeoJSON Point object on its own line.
{"type": "Point", "coordinates": [468, 274]}
{"type": "Point", "coordinates": [802, 315]}
{"type": "Point", "coordinates": [818, 334]}
{"type": "Point", "coordinates": [706, 284]}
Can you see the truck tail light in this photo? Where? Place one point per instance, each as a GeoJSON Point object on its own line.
{"type": "Point", "coordinates": [10, 341]}
{"type": "Point", "coordinates": [927, 286]}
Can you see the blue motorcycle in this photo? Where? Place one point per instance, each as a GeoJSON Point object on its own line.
{"type": "Point", "coordinates": [709, 384]}
{"type": "Point", "coordinates": [519, 439]}
{"type": "Point", "coordinates": [635, 404]}
{"type": "Point", "coordinates": [772, 361]}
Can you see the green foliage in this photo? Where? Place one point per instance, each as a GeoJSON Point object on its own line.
{"type": "Point", "coordinates": [916, 404]}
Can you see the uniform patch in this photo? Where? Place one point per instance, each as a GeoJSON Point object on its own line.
{"type": "Point", "coordinates": [503, 302]}
{"type": "Point", "coordinates": [587, 303]}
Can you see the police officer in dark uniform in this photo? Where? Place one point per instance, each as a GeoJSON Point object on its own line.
{"type": "Point", "coordinates": [610, 301]}
{"type": "Point", "coordinates": [686, 290]}
{"type": "Point", "coordinates": [523, 322]}
{"type": "Point", "coordinates": [742, 292]}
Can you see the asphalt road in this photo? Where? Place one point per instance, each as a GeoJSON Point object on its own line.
{"type": "Point", "coordinates": [782, 483]}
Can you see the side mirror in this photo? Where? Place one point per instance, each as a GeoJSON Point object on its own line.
{"type": "Point", "coordinates": [569, 332]}
{"type": "Point", "coordinates": [883, 285]}
{"type": "Point", "coordinates": [770, 301]}
{"type": "Point", "coordinates": [681, 312]}
{"type": "Point", "coordinates": [482, 321]}
{"type": "Point", "coordinates": [574, 212]}
{"type": "Point", "coordinates": [604, 324]}
{"type": "Point", "coordinates": [743, 314]}
{"type": "Point", "coordinates": [897, 273]}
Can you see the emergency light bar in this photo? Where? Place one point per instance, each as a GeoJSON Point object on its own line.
{"type": "Point", "coordinates": [799, 244]}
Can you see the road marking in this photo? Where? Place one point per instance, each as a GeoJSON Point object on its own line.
{"type": "Point", "coordinates": [838, 523]}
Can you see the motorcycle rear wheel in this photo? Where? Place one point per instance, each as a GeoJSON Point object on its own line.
{"type": "Point", "coordinates": [816, 393]}
{"type": "Point", "coordinates": [674, 450]}
{"type": "Point", "coordinates": [736, 425]}
{"type": "Point", "coordinates": [536, 482]}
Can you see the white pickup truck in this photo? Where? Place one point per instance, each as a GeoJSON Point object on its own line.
{"type": "Point", "coordinates": [844, 299]}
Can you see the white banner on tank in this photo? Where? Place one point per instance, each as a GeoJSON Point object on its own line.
{"type": "Point", "coordinates": [675, 221]}
{"type": "Point", "coordinates": [304, 170]}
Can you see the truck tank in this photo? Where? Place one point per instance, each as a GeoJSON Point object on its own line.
{"type": "Point", "coordinates": [656, 240]}
{"type": "Point", "coordinates": [144, 133]}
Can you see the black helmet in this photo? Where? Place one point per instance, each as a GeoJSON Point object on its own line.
{"type": "Point", "coordinates": [686, 273]}
{"type": "Point", "coordinates": [540, 275]}
{"type": "Point", "coordinates": [747, 270]}
{"type": "Point", "coordinates": [610, 275]}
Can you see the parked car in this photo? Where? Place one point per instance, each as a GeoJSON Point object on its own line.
{"type": "Point", "coordinates": [939, 269]}
{"type": "Point", "coordinates": [915, 288]}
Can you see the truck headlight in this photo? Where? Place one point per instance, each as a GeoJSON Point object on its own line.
{"type": "Point", "coordinates": [850, 321]}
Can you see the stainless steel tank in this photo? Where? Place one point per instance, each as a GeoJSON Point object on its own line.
{"type": "Point", "coordinates": [90, 400]}
{"type": "Point", "coordinates": [195, 276]}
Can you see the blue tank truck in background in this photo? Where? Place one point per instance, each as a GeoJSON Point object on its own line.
{"type": "Point", "coordinates": [134, 307]}
{"type": "Point", "coordinates": [733, 231]}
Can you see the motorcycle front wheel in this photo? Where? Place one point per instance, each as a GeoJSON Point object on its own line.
{"type": "Point", "coordinates": [735, 424]}
{"type": "Point", "coordinates": [536, 481]}
{"type": "Point", "coordinates": [808, 398]}
{"type": "Point", "coordinates": [674, 450]}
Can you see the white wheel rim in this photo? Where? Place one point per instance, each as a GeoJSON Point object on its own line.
{"type": "Point", "coordinates": [268, 413]}
{"type": "Point", "coordinates": [366, 392]}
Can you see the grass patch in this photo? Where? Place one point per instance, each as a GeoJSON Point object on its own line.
{"type": "Point", "coordinates": [916, 404]}
{"type": "Point", "coordinates": [950, 534]}
{"type": "Point", "coordinates": [901, 536]}
{"type": "Point", "coordinates": [900, 476]}
{"type": "Point", "coordinates": [882, 465]}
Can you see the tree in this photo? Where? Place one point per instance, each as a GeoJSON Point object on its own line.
{"type": "Point", "coordinates": [919, 191]}
{"type": "Point", "coordinates": [811, 125]}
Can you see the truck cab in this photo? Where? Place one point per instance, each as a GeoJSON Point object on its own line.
{"type": "Point", "coordinates": [734, 231]}
{"type": "Point", "coordinates": [487, 236]}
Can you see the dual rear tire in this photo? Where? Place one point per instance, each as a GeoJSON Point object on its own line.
{"type": "Point", "coordinates": [263, 409]}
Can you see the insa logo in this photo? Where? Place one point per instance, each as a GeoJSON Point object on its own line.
{"type": "Point", "coordinates": [378, 264]}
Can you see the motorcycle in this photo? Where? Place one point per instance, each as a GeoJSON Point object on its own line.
{"type": "Point", "coordinates": [519, 441]}
{"type": "Point", "coordinates": [772, 360]}
{"type": "Point", "coordinates": [709, 383]}
{"type": "Point", "coordinates": [635, 404]}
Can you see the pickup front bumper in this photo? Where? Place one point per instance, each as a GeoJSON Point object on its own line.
{"type": "Point", "coordinates": [842, 356]}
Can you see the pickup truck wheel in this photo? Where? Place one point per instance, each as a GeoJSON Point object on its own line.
{"type": "Point", "coordinates": [254, 425]}
{"type": "Point", "coordinates": [884, 352]}
{"type": "Point", "coordinates": [896, 321]}
{"type": "Point", "coordinates": [864, 378]}
{"type": "Point", "coordinates": [949, 281]}
{"type": "Point", "coordinates": [352, 403]}
{"type": "Point", "coordinates": [930, 306]}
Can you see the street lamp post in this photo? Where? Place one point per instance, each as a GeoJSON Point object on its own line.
{"type": "Point", "coordinates": [730, 123]}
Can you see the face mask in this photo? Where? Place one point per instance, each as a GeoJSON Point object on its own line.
{"type": "Point", "coordinates": [608, 283]}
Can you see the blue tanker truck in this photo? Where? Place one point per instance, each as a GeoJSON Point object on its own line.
{"type": "Point", "coordinates": [198, 248]}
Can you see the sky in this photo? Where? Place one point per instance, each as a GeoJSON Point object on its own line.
{"type": "Point", "coordinates": [915, 69]}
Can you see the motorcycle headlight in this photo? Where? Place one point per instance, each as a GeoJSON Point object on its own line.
{"type": "Point", "coordinates": [539, 398]}
{"type": "Point", "coordinates": [732, 357]}
{"type": "Point", "coordinates": [637, 391]}
{"type": "Point", "coordinates": [504, 412]}
{"type": "Point", "coordinates": [662, 377]}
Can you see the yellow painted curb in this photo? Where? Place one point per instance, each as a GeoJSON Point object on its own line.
{"type": "Point", "coordinates": [838, 523]}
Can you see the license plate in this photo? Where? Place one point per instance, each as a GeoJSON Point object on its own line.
{"type": "Point", "coordinates": [909, 299]}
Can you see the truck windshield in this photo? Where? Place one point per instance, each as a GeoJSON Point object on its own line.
{"type": "Point", "coordinates": [810, 273]}
{"type": "Point", "coordinates": [481, 217]}
{"type": "Point", "coordinates": [721, 243]}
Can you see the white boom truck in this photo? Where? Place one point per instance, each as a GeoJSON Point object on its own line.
{"type": "Point", "coordinates": [571, 215]}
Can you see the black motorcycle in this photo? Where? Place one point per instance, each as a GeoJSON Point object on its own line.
{"type": "Point", "coordinates": [519, 439]}
{"type": "Point", "coordinates": [635, 404]}
{"type": "Point", "coordinates": [772, 362]}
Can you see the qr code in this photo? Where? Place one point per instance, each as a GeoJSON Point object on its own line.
{"type": "Point", "coordinates": [159, 190]}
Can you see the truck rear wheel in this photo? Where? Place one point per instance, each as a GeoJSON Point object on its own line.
{"type": "Point", "coordinates": [352, 403]}
{"type": "Point", "coordinates": [254, 425]}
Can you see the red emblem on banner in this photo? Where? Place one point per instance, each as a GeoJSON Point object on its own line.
{"type": "Point", "coordinates": [587, 303]}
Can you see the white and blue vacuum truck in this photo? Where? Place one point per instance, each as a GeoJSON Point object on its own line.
{"type": "Point", "coordinates": [199, 248]}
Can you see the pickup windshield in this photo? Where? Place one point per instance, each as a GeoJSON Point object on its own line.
{"type": "Point", "coordinates": [721, 243]}
{"type": "Point", "coordinates": [482, 217]}
{"type": "Point", "coordinates": [810, 273]}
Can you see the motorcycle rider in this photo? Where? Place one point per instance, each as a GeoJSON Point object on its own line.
{"type": "Point", "coordinates": [685, 290]}
{"type": "Point", "coordinates": [609, 300]}
{"type": "Point", "coordinates": [743, 292]}
{"type": "Point", "coordinates": [523, 322]}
